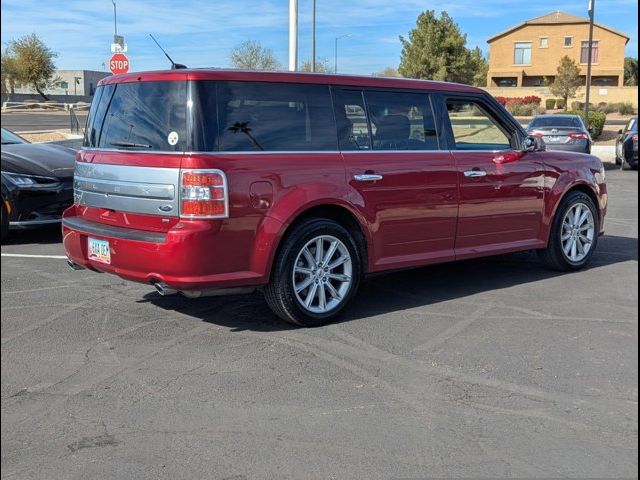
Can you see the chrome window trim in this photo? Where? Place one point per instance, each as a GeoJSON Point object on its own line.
{"type": "Point", "coordinates": [273, 152]}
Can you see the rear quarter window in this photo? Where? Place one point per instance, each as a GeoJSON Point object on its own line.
{"type": "Point", "coordinates": [141, 116]}
{"type": "Point", "coordinates": [260, 116]}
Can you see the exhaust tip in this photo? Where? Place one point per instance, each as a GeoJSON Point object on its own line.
{"type": "Point", "coordinates": [74, 266]}
{"type": "Point", "coordinates": [164, 289]}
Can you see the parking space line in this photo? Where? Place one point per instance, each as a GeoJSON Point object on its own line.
{"type": "Point", "coordinates": [26, 255]}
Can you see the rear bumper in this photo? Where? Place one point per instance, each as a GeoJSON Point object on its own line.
{"type": "Point", "coordinates": [183, 258]}
{"type": "Point", "coordinates": [580, 147]}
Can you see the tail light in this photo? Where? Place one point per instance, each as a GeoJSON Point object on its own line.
{"type": "Point", "coordinates": [576, 136]}
{"type": "Point", "coordinates": [203, 194]}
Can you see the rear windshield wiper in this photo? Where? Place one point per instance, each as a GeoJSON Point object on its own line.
{"type": "Point", "coordinates": [130, 145]}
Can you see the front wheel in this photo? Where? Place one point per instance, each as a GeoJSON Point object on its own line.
{"type": "Point", "coordinates": [315, 274]}
{"type": "Point", "coordinates": [574, 234]}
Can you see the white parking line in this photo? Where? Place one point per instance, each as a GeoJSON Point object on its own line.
{"type": "Point", "coordinates": [24, 255]}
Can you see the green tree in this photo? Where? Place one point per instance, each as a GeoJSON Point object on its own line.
{"type": "Point", "coordinates": [387, 72]}
{"type": "Point", "coordinates": [631, 71]}
{"type": "Point", "coordinates": [9, 72]}
{"type": "Point", "coordinates": [436, 49]}
{"type": "Point", "coordinates": [567, 80]}
{"type": "Point", "coordinates": [322, 66]}
{"type": "Point", "coordinates": [480, 67]}
{"type": "Point", "coordinates": [32, 62]}
{"type": "Point", "coordinates": [251, 55]}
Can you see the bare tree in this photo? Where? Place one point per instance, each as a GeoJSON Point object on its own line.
{"type": "Point", "coordinates": [250, 55]}
{"type": "Point", "coordinates": [322, 66]}
{"type": "Point", "coordinates": [387, 72]}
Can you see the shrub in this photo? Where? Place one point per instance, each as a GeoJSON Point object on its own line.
{"type": "Point", "coordinates": [560, 103]}
{"type": "Point", "coordinates": [520, 109]}
{"type": "Point", "coordinates": [577, 106]}
{"type": "Point", "coordinates": [595, 121]}
{"type": "Point", "coordinates": [626, 108]}
{"type": "Point", "coordinates": [550, 103]}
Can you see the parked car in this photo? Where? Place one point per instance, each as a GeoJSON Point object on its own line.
{"type": "Point", "coordinates": [37, 182]}
{"type": "Point", "coordinates": [562, 132]}
{"type": "Point", "coordinates": [209, 182]}
{"type": "Point", "coordinates": [627, 145]}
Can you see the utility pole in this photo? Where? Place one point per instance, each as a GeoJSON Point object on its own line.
{"type": "Point", "coordinates": [592, 4]}
{"type": "Point", "coordinates": [313, 36]}
{"type": "Point", "coordinates": [293, 35]}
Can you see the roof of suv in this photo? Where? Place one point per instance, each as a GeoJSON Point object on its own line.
{"type": "Point", "coordinates": [294, 77]}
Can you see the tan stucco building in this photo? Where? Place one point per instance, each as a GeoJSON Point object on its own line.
{"type": "Point", "coordinates": [527, 54]}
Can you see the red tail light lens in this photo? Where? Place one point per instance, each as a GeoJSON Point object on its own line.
{"type": "Point", "coordinates": [203, 194]}
{"type": "Point", "coordinates": [576, 136]}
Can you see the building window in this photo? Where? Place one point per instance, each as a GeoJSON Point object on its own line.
{"type": "Point", "coordinates": [506, 82]}
{"type": "Point", "coordinates": [584, 52]}
{"type": "Point", "coordinates": [522, 55]}
{"type": "Point", "coordinates": [544, 42]}
{"type": "Point", "coordinates": [568, 41]}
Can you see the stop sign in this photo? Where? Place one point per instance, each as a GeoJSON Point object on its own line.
{"type": "Point", "coordinates": [119, 63]}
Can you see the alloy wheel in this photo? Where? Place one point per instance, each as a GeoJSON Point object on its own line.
{"type": "Point", "coordinates": [322, 274]}
{"type": "Point", "coordinates": [578, 232]}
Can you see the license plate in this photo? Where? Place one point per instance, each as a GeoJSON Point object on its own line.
{"type": "Point", "coordinates": [99, 250]}
{"type": "Point", "coordinates": [553, 139]}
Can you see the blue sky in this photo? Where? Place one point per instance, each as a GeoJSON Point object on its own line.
{"type": "Point", "coordinates": [201, 33]}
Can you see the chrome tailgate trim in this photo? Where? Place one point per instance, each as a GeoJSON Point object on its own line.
{"type": "Point", "coordinates": [146, 190]}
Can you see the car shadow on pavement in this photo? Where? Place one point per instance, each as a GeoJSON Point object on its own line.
{"type": "Point", "coordinates": [43, 235]}
{"type": "Point", "coordinates": [390, 292]}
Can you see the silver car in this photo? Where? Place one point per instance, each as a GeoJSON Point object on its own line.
{"type": "Point", "coordinates": [562, 132]}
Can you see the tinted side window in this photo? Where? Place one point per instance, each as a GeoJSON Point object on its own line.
{"type": "Point", "coordinates": [351, 119]}
{"type": "Point", "coordinates": [146, 116]}
{"type": "Point", "coordinates": [474, 128]}
{"type": "Point", "coordinates": [258, 116]}
{"type": "Point", "coordinates": [401, 121]}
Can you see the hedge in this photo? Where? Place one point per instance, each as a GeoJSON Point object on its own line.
{"type": "Point", "coordinates": [550, 104]}
{"type": "Point", "coordinates": [528, 100]}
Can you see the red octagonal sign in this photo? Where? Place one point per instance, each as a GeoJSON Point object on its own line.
{"type": "Point", "coordinates": [119, 63]}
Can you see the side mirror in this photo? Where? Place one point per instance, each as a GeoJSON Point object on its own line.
{"type": "Point", "coordinates": [620, 132]}
{"type": "Point", "coordinates": [533, 144]}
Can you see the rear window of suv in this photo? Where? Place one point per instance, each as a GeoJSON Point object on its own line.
{"type": "Point", "coordinates": [139, 116]}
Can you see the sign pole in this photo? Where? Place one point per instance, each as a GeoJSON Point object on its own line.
{"type": "Point", "coordinates": [589, 62]}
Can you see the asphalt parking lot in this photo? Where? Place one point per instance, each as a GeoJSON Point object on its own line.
{"type": "Point", "coordinates": [488, 368]}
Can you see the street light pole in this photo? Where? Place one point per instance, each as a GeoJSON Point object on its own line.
{"type": "Point", "coordinates": [592, 4]}
{"type": "Point", "coordinates": [313, 36]}
{"type": "Point", "coordinates": [115, 19]}
{"type": "Point", "coordinates": [293, 35]}
{"type": "Point", "coordinates": [335, 65]}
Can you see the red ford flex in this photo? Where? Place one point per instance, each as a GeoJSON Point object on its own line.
{"type": "Point", "coordinates": [207, 182]}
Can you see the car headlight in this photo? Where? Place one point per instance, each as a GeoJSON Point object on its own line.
{"type": "Point", "coordinates": [22, 180]}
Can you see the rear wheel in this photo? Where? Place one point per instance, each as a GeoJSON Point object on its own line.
{"type": "Point", "coordinates": [315, 274]}
{"type": "Point", "coordinates": [574, 234]}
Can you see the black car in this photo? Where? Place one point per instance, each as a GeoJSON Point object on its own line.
{"type": "Point", "coordinates": [37, 182]}
{"type": "Point", "coordinates": [627, 145]}
{"type": "Point", "coordinates": [562, 132]}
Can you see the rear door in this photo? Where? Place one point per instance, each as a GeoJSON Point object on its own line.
{"type": "Point", "coordinates": [403, 183]}
{"type": "Point", "coordinates": [501, 188]}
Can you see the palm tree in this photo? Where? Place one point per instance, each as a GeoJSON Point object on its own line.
{"type": "Point", "coordinates": [243, 127]}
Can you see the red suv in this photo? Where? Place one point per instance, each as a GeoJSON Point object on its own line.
{"type": "Point", "coordinates": [208, 182]}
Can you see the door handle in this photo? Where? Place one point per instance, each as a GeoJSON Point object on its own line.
{"type": "Point", "coordinates": [475, 173]}
{"type": "Point", "coordinates": [367, 177]}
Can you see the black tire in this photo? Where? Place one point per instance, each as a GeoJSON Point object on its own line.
{"type": "Point", "coordinates": [5, 221]}
{"type": "Point", "coordinates": [280, 294]}
{"type": "Point", "coordinates": [554, 257]}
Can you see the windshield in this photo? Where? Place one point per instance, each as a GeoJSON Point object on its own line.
{"type": "Point", "coordinates": [9, 138]}
{"type": "Point", "coordinates": [557, 122]}
{"type": "Point", "coordinates": [139, 116]}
